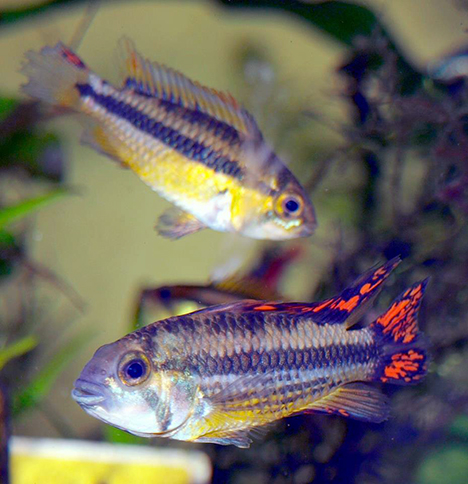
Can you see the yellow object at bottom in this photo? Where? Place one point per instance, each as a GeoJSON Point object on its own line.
{"type": "Point", "coordinates": [54, 461]}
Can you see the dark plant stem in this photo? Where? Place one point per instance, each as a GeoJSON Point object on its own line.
{"type": "Point", "coordinates": [4, 435]}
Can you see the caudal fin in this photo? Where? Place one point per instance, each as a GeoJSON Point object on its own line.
{"type": "Point", "coordinates": [403, 356]}
{"type": "Point", "coordinates": [54, 73]}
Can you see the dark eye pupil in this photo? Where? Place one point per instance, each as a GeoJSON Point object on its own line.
{"type": "Point", "coordinates": [291, 205]}
{"type": "Point", "coordinates": [135, 369]}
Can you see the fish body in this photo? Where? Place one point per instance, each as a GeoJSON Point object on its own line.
{"type": "Point", "coordinates": [216, 374]}
{"type": "Point", "coordinates": [196, 147]}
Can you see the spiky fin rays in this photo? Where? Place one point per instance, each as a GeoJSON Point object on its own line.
{"type": "Point", "coordinates": [156, 80]}
{"type": "Point", "coordinates": [53, 74]}
{"type": "Point", "coordinates": [356, 400]}
{"type": "Point", "coordinates": [404, 356]}
{"type": "Point", "coordinates": [350, 305]}
{"type": "Point", "coordinates": [345, 308]}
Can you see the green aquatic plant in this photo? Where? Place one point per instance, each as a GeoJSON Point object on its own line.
{"type": "Point", "coordinates": [16, 349]}
{"type": "Point", "coordinates": [405, 143]}
{"type": "Point", "coordinates": [30, 396]}
{"type": "Point", "coordinates": [28, 156]}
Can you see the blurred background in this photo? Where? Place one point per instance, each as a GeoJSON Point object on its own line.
{"type": "Point", "coordinates": [367, 103]}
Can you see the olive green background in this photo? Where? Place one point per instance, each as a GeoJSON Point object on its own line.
{"type": "Point", "coordinates": [101, 239]}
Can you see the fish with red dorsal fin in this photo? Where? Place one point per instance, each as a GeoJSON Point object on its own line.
{"type": "Point", "coordinates": [195, 146]}
{"type": "Point", "coordinates": [217, 374]}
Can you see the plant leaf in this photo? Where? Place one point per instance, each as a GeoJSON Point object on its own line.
{"type": "Point", "coordinates": [117, 436]}
{"type": "Point", "coordinates": [13, 15]}
{"type": "Point", "coordinates": [18, 348]}
{"type": "Point", "coordinates": [8, 251]}
{"type": "Point", "coordinates": [22, 209]}
{"type": "Point", "coordinates": [343, 21]}
{"type": "Point", "coordinates": [38, 389]}
{"type": "Point", "coordinates": [7, 106]}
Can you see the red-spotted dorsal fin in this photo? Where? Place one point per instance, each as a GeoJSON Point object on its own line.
{"type": "Point", "coordinates": [156, 80]}
{"type": "Point", "coordinates": [350, 305]}
{"type": "Point", "coordinates": [347, 307]}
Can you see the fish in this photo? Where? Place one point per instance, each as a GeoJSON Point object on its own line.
{"type": "Point", "coordinates": [195, 146]}
{"type": "Point", "coordinates": [221, 374]}
{"type": "Point", "coordinates": [261, 282]}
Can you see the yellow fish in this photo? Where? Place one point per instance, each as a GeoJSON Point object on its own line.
{"type": "Point", "coordinates": [196, 147]}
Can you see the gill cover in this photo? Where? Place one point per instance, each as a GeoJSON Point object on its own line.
{"type": "Point", "coordinates": [177, 398]}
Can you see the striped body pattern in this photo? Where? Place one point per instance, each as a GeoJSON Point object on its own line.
{"type": "Point", "coordinates": [195, 146]}
{"type": "Point", "coordinates": [282, 364]}
{"type": "Point", "coordinates": [216, 374]}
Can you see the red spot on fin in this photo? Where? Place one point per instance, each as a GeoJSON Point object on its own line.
{"type": "Point", "coordinates": [400, 321]}
{"type": "Point", "coordinates": [336, 310]}
{"type": "Point", "coordinates": [354, 300]}
{"type": "Point", "coordinates": [404, 359]}
{"type": "Point", "coordinates": [405, 367]}
{"type": "Point", "coordinates": [72, 57]}
{"type": "Point", "coordinates": [265, 307]}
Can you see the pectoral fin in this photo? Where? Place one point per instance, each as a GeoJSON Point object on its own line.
{"type": "Point", "coordinates": [175, 223]}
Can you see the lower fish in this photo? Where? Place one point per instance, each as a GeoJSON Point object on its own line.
{"type": "Point", "coordinates": [217, 374]}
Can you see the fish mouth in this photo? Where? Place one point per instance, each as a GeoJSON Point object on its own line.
{"type": "Point", "coordinates": [308, 229]}
{"type": "Point", "coordinates": [87, 394]}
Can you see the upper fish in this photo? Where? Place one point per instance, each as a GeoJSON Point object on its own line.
{"type": "Point", "coordinates": [195, 146]}
{"type": "Point", "coordinates": [216, 374]}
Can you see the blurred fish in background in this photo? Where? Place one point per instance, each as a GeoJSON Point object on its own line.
{"type": "Point", "coordinates": [262, 281]}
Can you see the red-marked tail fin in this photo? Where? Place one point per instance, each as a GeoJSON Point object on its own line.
{"type": "Point", "coordinates": [53, 73]}
{"type": "Point", "coordinates": [404, 358]}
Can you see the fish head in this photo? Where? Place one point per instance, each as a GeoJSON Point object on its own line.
{"type": "Point", "coordinates": [123, 386]}
{"type": "Point", "coordinates": [283, 211]}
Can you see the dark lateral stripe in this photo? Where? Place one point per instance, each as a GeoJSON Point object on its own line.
{"type": "Point", "coordinates": [220, 129]}
{"type": "Point", "coordinates": [334, 356]}
{"type": "Point", "coordinates": [194, 150]}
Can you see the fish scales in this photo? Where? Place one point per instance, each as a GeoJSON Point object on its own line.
{"type": "Point", "coordinates": [216, 374]}
{"type": "Point", "coordinates": [340, 355]}
{"type": "Point", "coordinates": [185, 131]}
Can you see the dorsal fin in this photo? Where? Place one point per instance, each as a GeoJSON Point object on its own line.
{"type": "Point", "coordinates": [351, 304]}
{"type": "Point", "coordinates": [346, 308]}
{"type": "Point", "coordinates": [153, 79]}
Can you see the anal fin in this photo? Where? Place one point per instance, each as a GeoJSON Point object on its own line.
{"type": "Point", "coordinates": [239, 438]}
{"type": "Point", "coordinates": [175, 223]}
{"type": "Point", "coordinates": [355, 400]}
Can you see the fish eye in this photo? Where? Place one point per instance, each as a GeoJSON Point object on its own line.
{"type": "Point", "coordinates": [290, 206]}
{"type": "Point", "coordinates": [134, 368]}
{"type": "Point", "coordinates": [165, 293]}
